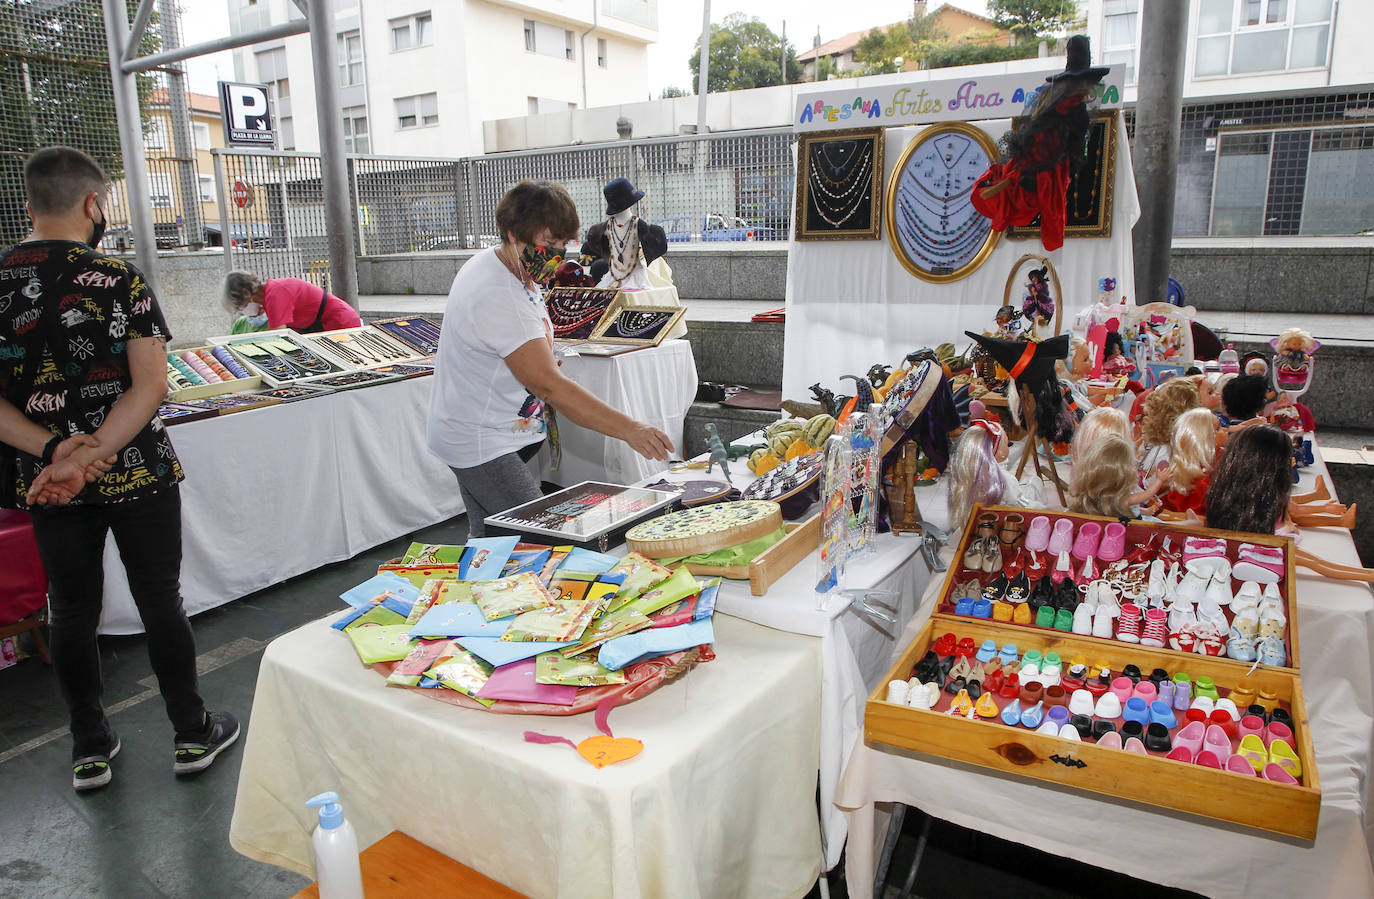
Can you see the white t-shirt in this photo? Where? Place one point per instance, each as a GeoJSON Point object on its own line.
{"type": "Point", "coordinates": [478, 410]}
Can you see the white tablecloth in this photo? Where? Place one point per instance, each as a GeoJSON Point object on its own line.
{"type": "Point", "coordinates": [654, 385]}
{"type": "Point", "coordinates": [720, 803]}
{"type": "Point", "coordinates": [275, 492]}
{"type": "Point", "coordinates": [1335, 629]}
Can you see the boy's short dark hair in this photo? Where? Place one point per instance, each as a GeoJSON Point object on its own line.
{"type": "Point", "coordinates": [1244, 395]}
{"type": "Point", "coordinates": [55, 178]}
{"type": "Point", "coordinates": [531, 206]}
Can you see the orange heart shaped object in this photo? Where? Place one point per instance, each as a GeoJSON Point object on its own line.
{"type": "Point", "coordinates": [602, 751]}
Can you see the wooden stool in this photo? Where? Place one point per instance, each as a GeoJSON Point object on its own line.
{"type": "Point", "coordinates": [403, 867]}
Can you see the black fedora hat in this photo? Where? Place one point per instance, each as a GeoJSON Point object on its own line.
{"type": "Point", "coordinates": [1079, 61]}
{"type": "Point", "coordinates": [621, 195]}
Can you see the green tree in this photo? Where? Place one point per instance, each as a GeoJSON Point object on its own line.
{"type": "Point", "coordinates": [1029, 19]}
{"type": "Point", "coordinates": [55, 89]}
{"type": "Point", "coordinates": [968, 54]}
{"type": "Point", "coordinates": [672, 91]}
{"type": "Point", "coordinates": [745, 53]}
{"type": "Point", "coordinates": [911, 40]}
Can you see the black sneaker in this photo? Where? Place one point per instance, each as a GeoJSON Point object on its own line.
{"type": "Point", "coordinates": [93, 771]}
{"type": "Point", "coordinates": [198, 752]}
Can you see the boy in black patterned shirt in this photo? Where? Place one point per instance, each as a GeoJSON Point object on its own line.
{"type": "Point", "coordinates": [82, 371]}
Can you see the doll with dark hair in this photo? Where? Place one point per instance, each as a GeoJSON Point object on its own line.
{"type": "Point", "coordinates": [1243, 398]}
{"type": "Point", "coordinates": [1116, 363]}
{"type": "Point", "coordinates": [1251, 485]}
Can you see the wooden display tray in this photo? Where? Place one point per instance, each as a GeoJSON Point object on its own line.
{"type": "Point", "coordinates": [778, 559]}
{"type": "Point", "coordinates": [199, 391]}
{"type": "Point", "coordinates": [957, 574]}
{"type": "Point", "coordinates": [676, 547]}
{"type": "Point", "coordinates": [1150, 780]}
{"type": "Point", "coordinates": [232, 341]}
{"type": "Point", "coordinates": [336, 346]}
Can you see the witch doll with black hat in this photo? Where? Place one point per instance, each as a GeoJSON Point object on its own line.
{"type": "Point", "coordinates": [623, 245]}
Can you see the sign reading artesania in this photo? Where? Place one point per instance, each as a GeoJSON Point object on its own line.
{"type": "Point", "coordinates": [247, 117]}
{"type": "Point", "coordinates": [948, 100]}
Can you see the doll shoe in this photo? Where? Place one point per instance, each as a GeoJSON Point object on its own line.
{"type": "Point", "coordinates": [1063, 568]}
{"type": "Point", "coordinates": [1282, 717]}
{"type": "Point", "coordinates": [1277, 774]}
{"type": "Point", "coordinates": [1102, 622]}
{"type": "Point", "coordinates": [1036, 566]}
{"type": "Point", "coordinates": [1082, 726]}
{"type": "Point", "coordinates": [896, 692]}
{"type": "Point", "coordinates": [1071, 732]}
{"type": "Point", "coordinates": [1128, 625]}
{"type": "Point", "coordinates": [1205, 686]}
{"type": "Point", "coordinates": [1242, 698]}
{"type": "Point", "coordinates": [1208, 640]}
{"type": "Point", "coordinates": [1131, 729]}
{"type": "Point", "coordinates": [1156, 630]}
{"type": "Point", "coordinates": [1101, 728]}
{"type": "Point", "coordinates": [1038, 534]}
{"type": "Point", "coordinates": [1032, 657]}
{"type": "Point", "coordinates": [1049, 727]}
{"type": "Point", "coordinates": [1208, 759]}
{"type": "Point", "coordinates": [1155, 587]}
{"type": "Point", "coordinates": [1043, 594]}
{"type": "Point", "coordinates": [986, 706]}
{"type": "Point", "coordinates": [987, 524]}
{"type": "Point", "coordinates": [1045, 616]}
{"type": "Point", "coordinates": [1269, 701]}
{"type": "Point", "coordinates": [964, 606]}
{"type": "Point", "coordinates": [1262, 564]}
{"type": "Point", "coordinates": [995, 589]}
{"type": "Point", "coordinates": [1123, 688]}
{"type": "Point", "coordinates": [1146, 690]}
{"type": "Point", "coordinates": [1088, 572]}
{"type": "Point", "coordinates": [1191, 588]}
{"type": "Point", "coordinates": [1083, 620]}
{"type": "Point", "coordinates": [1272, 652]}
{"type": "Point", "coordinates": [1237, 765]}
{"type": "Point", "coordinates": [973, 556]}
{"type": "Point", "coordinates": [1144, 552]}
{"type": "Point", "coordinates": [1061, 537]}
{"type": "Point", "coordinates": [1157, 738]}
{"type": "Point", "coordinates": [1110, 740]}
{"type": "Point", "coordinates": [1066, 596]}
{"type": "Point", "coordinates": [1219, 591]}
{"type": "Point", "coordinates": [1063, 620]}
{"type": "Point", "coordinates": [993, 679]}
{"type": "Point", "coordinates": [1190, 736]}
{"type": "Point", "coordinates": [965, 648]}
{"type": "Point", "coordinates": [1018, 589]}
{"type": "Point", "coordinates": [1081, 703]}
{"type": "Point", "coordinates": [1282, 754]}
{"type": "Point", "coordinates": [1181, 754]}
{"type": "Point", "coordinates": [962, 703]}
{"type": "Point", "coordinates": [1247, 597]}
{"type": "Point", "coordinates": [1160, 713]}
{"type": "Point", "coordinates": [945, 645]}
{"type": "Point", "coordinates": [1183, 692]}
{"type": "Point", "coordinates": [1032, 692]}
{"type": "Point", "coordinates": [1021, 614]}
{"type": "Point", "coordinates": [992, 555]}
{"type": "Point", "coordinates": [1011, 687]}
{"type": "Point", "coordinates": [1217, 742]}
{"type": "Point", "coordinates": [1008, 654]}
{"type": "Point", "coordinates": [1033, 716]}
{"type": "Point", "coordinates": [1132, 673]}
{"type": "Point", "coordinates": [987, 651]}
{"type": "Point", "coordinates": [1166, 692]}
{"type": "Point", "coordinates": [1252, 750]}
{"type": "Point", "coordinates": [982, 608]}
{"type": "Point", "coordinates": [1055, 695]}
{"type": "Point", "coordinates": [1133, 744]}
{"type": "Point", "coordinates": [1136, 709]}
{"type": "Point", "coordinates": [1011, 713]}
{"type": "Point", "coordinates": [1278, 731]}
{"type": "Point", "coordinates": [1001, 611]}
{"type": "Point", "coordinates": [1113, 544]}
{"type": "Point", "coordinates": [1013, 530]}
{"type": "Point", "coordinates": [1086, 542]}
{"type": "Point", "coordinates": [1059, 714]}
{"type": "Point", "coordinates": [1108, 706]}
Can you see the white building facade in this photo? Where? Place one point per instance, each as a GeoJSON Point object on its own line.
{"type": "Point", "coordinates": [418, 77]}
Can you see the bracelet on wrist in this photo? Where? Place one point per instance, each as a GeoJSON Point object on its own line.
{"type": "Point", "coordinates": [49, 448]}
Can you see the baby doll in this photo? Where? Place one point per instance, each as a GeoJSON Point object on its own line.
{"type": "Point", "coordinates": [1099, 422]}
{"type": "Point", "coordinates": [975, 474]}
{"type": "Point", "coordinates": [1165, 404]}
{"type": "Point", "coordinates": [1104, 478]}
{"type": "Point", "coordinates": [1193, 452]}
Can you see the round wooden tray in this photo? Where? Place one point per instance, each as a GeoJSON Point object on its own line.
{"type": "Point", "coordinates": [704, 529]}
{"type": "Point", "coordinates": [907, 401]}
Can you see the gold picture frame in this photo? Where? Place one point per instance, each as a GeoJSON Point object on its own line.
{"type": "Point", "coordinates": [1092, 191]}
{"type": "Point", "coordinates": [923, 258]}
{"type": "Point", "coordinates": [814, 191]}
{"type": "Point", "coordinates": [623, 323]}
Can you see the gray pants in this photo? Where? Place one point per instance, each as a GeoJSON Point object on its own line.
{"type": "Point", "coordinates": [496, 486]}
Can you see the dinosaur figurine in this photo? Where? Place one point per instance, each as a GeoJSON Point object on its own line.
{"type": "Point", "coordinates": [827, 398]}
{"type": "Point", "coordinates": [717, 451]}
{"type": "Point", "coordinates": [862, 389]}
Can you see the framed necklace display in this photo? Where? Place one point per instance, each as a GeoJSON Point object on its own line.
{"type": "Point", "coordinates": [637, 325]}
{"type": "Point", "coordinates": [576, 311]}
{"type": "Point", "coordinates": [931, 223]}
{"type": "Point", "coordinates": [1091, 188]}
{"type": "Point", "coordinates": [356, 348]}
{"type": "Point", "coordinates": [839, 184]}
{"type": "Point", "coordinates": [417, 331]}
{"type": "Point", "coordinates": [279, 356]}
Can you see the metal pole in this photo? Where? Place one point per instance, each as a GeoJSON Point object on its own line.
{"type": "Point", "coordinates": [782, 51]}
{"type": "Point", "coordinates": [343, 272]}
{"type": "Point", "coordinates": [183, 145]}
{"type": "Point", "coordinates": [130, 127]}
{"type": "Point", "coordinates": [224, 221]}
{"type": "Point", "coordinates": [152, 61]}
{"type": "Point", "coordinates": [1159, 112]}
{"type": "Point", "coordinates": [704, 68]}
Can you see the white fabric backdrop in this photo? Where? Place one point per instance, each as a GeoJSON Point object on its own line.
{"type": "Point", "coordinates": [850, 303]}
{"type": "Point", "coordinates": [720, 803]}
{"type": "Point", "coordinates": [654, 385]}
{"type": "Point", "coordinates": [1336, 630]}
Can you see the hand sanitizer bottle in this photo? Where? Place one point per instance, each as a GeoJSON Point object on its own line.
{"type": "Point", "coordinates": [336, 851]}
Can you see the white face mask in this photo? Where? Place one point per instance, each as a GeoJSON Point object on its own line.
{"type": "Point", "coordinates": [252, 310]}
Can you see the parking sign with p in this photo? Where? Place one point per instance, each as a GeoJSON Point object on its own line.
{"type": "Point", "coordinates": [247, 117]}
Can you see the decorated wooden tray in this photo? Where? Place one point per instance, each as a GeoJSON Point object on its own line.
{"type": "Point", "coordinates": [175, 413]}
{"type": "Point", "coordinates": [416, 331]}
{"type": "Point", "coordinates": [794, 485]}
{"type": "Point", "coordinates": [278, 356]}
{"type": "Point", "coordinates": [206, 371]}
{"type": "Point", "coordinates": [294, 393]}
{"type": "Point", "coordinates": [406, 369]}
{"type": "Point", "coordinates": [348, 380]}
{"type": "Point", "coordinates": [704, 529]}
{"type": "Point", "coordinates": [359, 348]}
{"type": "Point", "coordinates": [576, 311]}
{"type": "Point", "coordinates": [230, 402]}
{"type": "Point", "coordinates": [906, 401]}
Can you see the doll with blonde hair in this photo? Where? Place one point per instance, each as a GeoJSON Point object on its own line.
{"type": "Point", "coordinates": [1104, 478]}
{"type": "Point", "coordinates": [1164, 405]}
{"type": "Point", "coordinates": [1192, 455]}
{"type": "Point", "coordinates": [975, 475]}
{"type": "Point", "coordinates": [1097, 423]}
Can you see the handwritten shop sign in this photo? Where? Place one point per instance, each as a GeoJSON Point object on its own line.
{"type": "Point", "coordinates": [949, 100]}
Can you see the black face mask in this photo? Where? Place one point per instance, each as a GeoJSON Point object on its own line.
{"type": "Point", "coordinates": [97, 229]}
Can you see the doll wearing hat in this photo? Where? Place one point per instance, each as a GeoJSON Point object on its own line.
{"type": "Point", "coordinates": [624, 244]}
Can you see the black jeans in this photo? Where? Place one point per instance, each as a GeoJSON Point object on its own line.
{"type": "Point", "coordinates": [71, 542]}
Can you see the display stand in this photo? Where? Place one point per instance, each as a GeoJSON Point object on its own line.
{"type": "Point", "coordinates": [1033, 444]}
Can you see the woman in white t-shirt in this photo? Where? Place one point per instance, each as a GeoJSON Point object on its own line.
{"type": "Point", "coordinates": [495, 368]}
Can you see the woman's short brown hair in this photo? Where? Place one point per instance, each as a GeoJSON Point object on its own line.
{"type": "Point", "coordinates": [531, 206]}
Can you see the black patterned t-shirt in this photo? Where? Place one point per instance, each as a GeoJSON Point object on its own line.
{"type": "Point", "coordinates": [67, 313]}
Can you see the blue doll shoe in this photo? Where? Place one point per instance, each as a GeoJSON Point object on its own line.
{"type": "Point", "coordinates": [964, 606]}
{"type": "Point", "coordinates": [982, 608]}
{"type": "Point", "coordinates": [1032, 716]}
{"type": "Point", "coordinates": [1011, 713]}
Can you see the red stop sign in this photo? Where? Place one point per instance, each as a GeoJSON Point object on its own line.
{"type": "Point", "coordinates": [241, 194]}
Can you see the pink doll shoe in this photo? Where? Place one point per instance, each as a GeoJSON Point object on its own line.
{"type": "Point", "coordinates": [1038, 535]}
{"type": "Point", "coordinates": [1261, 564]}
{"type": "Point", "coordinates": [1203, 556]}
{"type": "Point", "coordinates": [1113, 545]}
{"type": "Point", "coordinates": [1085, 544]}
{"type": "Point", "coordinates": [1061, 538]}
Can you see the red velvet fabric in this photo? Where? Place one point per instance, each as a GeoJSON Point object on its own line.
{"type": "Point", "coordinates": [23, 580]}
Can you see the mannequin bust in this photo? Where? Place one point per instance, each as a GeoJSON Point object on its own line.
{"type": "Point", "coordinates": [626, 242]}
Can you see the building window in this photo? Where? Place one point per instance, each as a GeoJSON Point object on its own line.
{"type": "Point", "coordinates": [569, 47]}
{"type": "Point", "coordinates": [601, 52]}
{"type": "Point", "coordinates": [200, 132]}
{"type": "Point", "coordinates": [550, 40]}
{"type": "Point", "coordinates": [1244, 37]}
{"type": "Point", "coordinates": [529, 35]}
{"type": "Point", "coordinates": [421, 111]}
{"type": "Point", "coordinates": [272, 72]}
{"type": "Point", "coordinates": [355, 134]}
{"type": "Point", "coordinates": [1339, 195]}
{"type": "Point", "coordinates": [160, 190]}
{"type": "Point", "coordinates": [412, 31]}
{"type": "Point", "coordinates": [207, 188]}
{"type": "Point", "coordinates": [350, 58]}
{"type": "Point", "coordinates": [155, 135]}
{"type": "Point", "coordinates": [286, 127]}
{"type": "Point", "coordinates": [1121, 35]}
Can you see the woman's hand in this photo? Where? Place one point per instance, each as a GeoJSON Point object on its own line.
{"type": "Point", "coordinates": [649, 442]}
{"type": "Point", "coordinates": [95, 466]}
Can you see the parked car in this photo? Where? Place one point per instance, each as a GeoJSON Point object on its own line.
{"type": "Point", "coordinates": [717, 227]}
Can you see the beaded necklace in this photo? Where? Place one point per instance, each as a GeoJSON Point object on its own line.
{"type": "Point", "coordinates": [624, 248]}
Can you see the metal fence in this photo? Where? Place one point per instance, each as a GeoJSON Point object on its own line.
{"type": "Point", "coordinates": [735, 186]}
